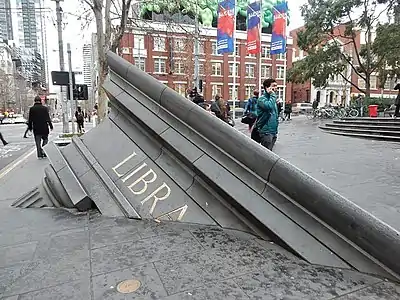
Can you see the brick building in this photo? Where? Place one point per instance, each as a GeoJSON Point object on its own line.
{"type": "Point", "coordinates": [337, 90]}
{"type": "Point", "coordinates": [167, 53]}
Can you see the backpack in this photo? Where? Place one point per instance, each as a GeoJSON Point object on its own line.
{"type": "Point", "coordinates": [79, 117]}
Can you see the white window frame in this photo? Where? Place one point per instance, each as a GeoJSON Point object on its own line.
{"type": "Point", "coordinates": [214, 87]}
{"type": "Point", "coordinates": [181, 85]}
{"type": "Point", "coordinates": [159, 71]}
{"type": "Point", "coordinates": [280, 69]}
{"type": "Point", "coordinates": [231, 69]}
{"type": "Point", "coordinates": [278, 94]}
{"type": "Point", "coordinates": [266, 51]}
{"type": "Point", "coordinates": [179, 44]}
{"type": "Point", "coordinates": [142, 62]}
{"type": "Point", "coordinates": [231, 90]}
{"type": "Point", "coordinates": [263, 74]}
{"type": "Point", "coordinates": [179, 66]}
{"type": "Point", "coordinates": [159, 43]}
{"type": "Point", "coordinates": [138, 42]}
{"type": "Point", "coordinates": [250, 66]}
{"type": "Point", "coordinates": [249, 89]}
{"type": "Point", "coordinates": [220, 68]}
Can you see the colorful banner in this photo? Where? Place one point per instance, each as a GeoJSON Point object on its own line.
{"type": "Point", "coordinates": [226, 26]}
{"type": "Point", "coordinates": [254, 28]}
{"type": "Point", "coordinates": [278, 41]}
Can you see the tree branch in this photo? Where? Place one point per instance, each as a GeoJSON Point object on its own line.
{"type": "Point", "coordinates": [351, 83]}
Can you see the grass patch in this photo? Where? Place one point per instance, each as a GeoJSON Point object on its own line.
{"type": "Point", "coordinates": [69, 135]}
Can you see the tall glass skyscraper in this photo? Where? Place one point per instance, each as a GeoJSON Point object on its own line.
{"type": "Point", "coordinates": [6, 28]}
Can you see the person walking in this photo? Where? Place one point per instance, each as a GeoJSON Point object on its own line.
{"type": "Point", "coordinates": [39, 122]}
{"type": "Point", "coordinates": [397, 102]}
{"type": "Point", "coordinates": [3, 140]}
{"type": "Point", "coordinates": [250, 110]}
{"type": "Point", "coordinates": [80, 119]}
{"type": "Point", "coordinates": [288, 111]}
{"type": "Point", "coordinates": [267, 115]}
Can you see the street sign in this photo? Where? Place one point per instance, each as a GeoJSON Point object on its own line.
{"type": "Point", "coordinates": [61, 78]}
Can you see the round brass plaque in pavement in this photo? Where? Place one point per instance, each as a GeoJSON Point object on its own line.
{"type": "Point", "coordinates": [128, 286]}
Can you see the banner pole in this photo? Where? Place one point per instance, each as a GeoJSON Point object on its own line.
{"type": "Point", "coordinates": [234, 63]}
{"type": "Point", "coordinates": [260, 81]}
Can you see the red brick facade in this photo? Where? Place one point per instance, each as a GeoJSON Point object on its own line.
{"type": "Point", "coordinates": [161, 47]}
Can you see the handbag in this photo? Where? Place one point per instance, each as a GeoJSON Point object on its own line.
{"type": "Point", "coordinates": [249, 119]}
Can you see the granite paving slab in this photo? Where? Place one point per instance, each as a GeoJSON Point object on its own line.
{"type": "Point", "coordinates": [57, 254]}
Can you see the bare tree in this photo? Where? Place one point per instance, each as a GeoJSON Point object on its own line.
{"type": "Point", "coordinates": [7, 88]}
{"type": "Point", "coordinates": [109, 35]}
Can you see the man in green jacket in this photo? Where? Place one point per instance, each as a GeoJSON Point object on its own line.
{"type": "Point", "coordinates": [267, 112]}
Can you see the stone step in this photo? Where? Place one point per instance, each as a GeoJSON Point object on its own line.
{"type": "Point", "coordinates": [363, 126]}
{"type": "Point", "coordinates": [363, 131]}
{"type": "Point", "coordinates": [366, 135]}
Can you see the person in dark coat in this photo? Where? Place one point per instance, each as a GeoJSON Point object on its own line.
{"type": "Point", "coordinates": [39, 121]}
{"type": "Point", "coordinates": [3, 140]}
{"type": "Point", "coordinates": [397, 102]}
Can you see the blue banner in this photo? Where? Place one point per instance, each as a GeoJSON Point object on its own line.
{"type": "Point", "coordinates": [226, 26]}
{"type": "Point", "coordinates": [278, 40]}
{"type": "Point", "coordinates": [254, 28]}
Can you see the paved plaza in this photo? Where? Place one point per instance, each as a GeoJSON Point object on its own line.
{"type": "Point", "coordinates": [366, 172]}
{"type": "Point", "coordinates": [48, 254]}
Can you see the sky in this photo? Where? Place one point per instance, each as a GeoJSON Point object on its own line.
{"type": "Point", "coordinates": [73, 33]}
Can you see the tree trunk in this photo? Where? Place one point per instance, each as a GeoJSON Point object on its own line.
{"type": "Point", "coordinates": [103, 100]}
{"type": "Point", "coordinates": [368, 86]}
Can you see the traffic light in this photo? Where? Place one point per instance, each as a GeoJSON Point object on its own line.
{"type": "Point", "coordinates": [80, 92]}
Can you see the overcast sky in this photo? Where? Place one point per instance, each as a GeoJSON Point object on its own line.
{"type": "Point", "coordinates": [73, 33]}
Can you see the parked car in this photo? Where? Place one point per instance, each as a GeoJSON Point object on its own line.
{"type": "Point", "coordinates": [301, 108]}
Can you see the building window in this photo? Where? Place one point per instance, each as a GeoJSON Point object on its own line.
{"type": "Point", "coordinates": [181, 88]}
{"type": "Point", "coordinates": [280, 72]}
{"type": "Point", "coordinates": [217, 69]}
{"type": "Point", "coordinates": [390, 84]}
{"type": "Point", "coordinates": [159, 43]}
{"type": "Point", "coordinates": [179, 67]}
{"type": "Point", "coordinates": [266, 71]}
{"type": "Point", "coordinates": [281, 56]}
{"type": "Point", "coordinates": [140, 62]}
{"type": "Point", "coordinates": [214, 48]}
{"type": "Point", "coordinates": [159, 65]}
{"type": "Point", "coordinates": [265, 51]}
{"type": "Point", "coordinates": [138, 41]}
{"type": "Point", "coordinates": [216, 90]}
{"type": "Point", "coordinates": [280, 93]}
{"type": "Point", "coordinates": [179, 44]}
{"type": "Point", "coordinates": [250, 70]}
{"type": "Point", "coordinates": [373, 82]}
{"type": "Point", "coordinates": [249, 91]}
{"type": "Point", "coordinates": [231, 92]}
{"type": "Point", "coordinates": [237, 72]}
{"type": "Point", "coordinates": [361, 83]}
{"type": "Point", "coordinates": [237, 49]}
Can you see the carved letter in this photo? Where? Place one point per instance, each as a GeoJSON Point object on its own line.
{"type": "Point", "coordinates": [182, 210]}
{"type": "Point", "coordinates": [121, 163]}
{"type": "Point", "coordinates": [134, 172]}
{"type": "Point", "coordinates": [143, 179]}
{"type": "Point", "coordinates": [156, 198]}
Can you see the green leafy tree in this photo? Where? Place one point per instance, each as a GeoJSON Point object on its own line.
{"type": "Point", "coordinates": [387, 45]}
{"type": "Point", "coordinates": [331, 37]}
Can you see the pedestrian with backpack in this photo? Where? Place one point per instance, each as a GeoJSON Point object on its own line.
{"type": "Point", "coordinates": [80, 119]}
{"type": "Point", "coordinates": [250, 110]}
